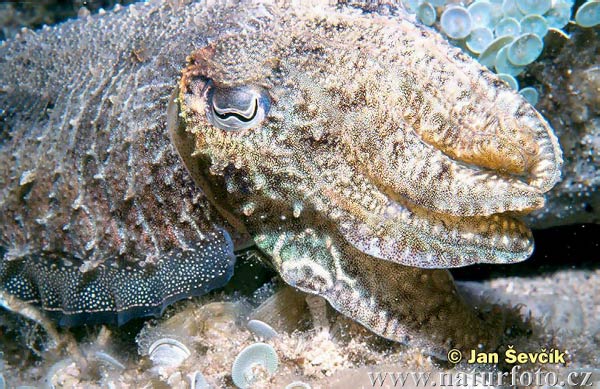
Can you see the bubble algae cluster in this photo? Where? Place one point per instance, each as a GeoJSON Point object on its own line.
{"type": "Point", "coordinates": [505, 35]}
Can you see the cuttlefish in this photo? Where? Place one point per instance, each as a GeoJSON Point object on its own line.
{"type": "Point", "coordinates": [355, 148]}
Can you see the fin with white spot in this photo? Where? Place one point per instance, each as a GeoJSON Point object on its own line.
{"type": "Point", "coordinates": [118, 290]}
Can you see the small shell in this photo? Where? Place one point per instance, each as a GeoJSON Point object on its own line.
{"type": "Point", "coordinates": [198, 381]}
{"type": "Point", "coordinates": [255, 360]}
{"type": "Point", "coordinates": [318, 310]}
{"type": "Point", "coordinates": [261, 329]}
{"type": "Point", "coordinates": [298, 385]}
{"type": "Point", "coordinates": [57, 368]}
{"type": "Point", "coordinates": [108, 360]}
{"type": "Point", "coordinates": [167, 352]}
{"type": "Point", "coordinates": [285, 310]}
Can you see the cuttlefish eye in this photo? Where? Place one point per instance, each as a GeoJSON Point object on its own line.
{"type": "Point", "coordinates": [237, 108]}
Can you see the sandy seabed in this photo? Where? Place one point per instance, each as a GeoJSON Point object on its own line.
{"type": "Point", "coordinates": [314, 344]}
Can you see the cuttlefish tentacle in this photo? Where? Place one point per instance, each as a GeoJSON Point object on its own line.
{"type": "Point", "coordinates": [395, 229]}
{"type": "Point", "coordinates": [394, 156]}
{"type": "Point", "coordinates": [380, 294]}
{"type": "Point", "coordinates": [416, 237]}
{"type": "Point", "coordinates": [514, 138]}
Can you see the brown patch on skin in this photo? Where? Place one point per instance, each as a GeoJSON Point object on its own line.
{"type": "Point", "coordinates": [140, 53]}
{"type": "Point", "coordinates": [198, 64]}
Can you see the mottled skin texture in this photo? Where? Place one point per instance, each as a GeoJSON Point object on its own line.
{"type": "Point", "coordinates": [385, 154]}
{"type": "Point", "coordinates": [87, 170]}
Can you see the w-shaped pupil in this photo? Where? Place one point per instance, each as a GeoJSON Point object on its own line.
{"type": "Point", "coordinates": [238, 116]}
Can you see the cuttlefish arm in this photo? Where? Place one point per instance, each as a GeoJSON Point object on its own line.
{"type": "Point", "coordinates": [420, 307]}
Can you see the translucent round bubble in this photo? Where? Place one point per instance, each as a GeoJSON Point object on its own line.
{"type": "Point", "coordinates": [456, 22]}
{"type": "Point", "coordinates": [588, 15]}
{"type": "Point", "coordinates": [481, 13]}
{"type": "Point", "coordinates": [479, 39]}
{"type": "Point", "coordinates": [488, 55]}
{"type": "Point", "coordinates": [534, 24]}
{"type": "Point", "coordinates": [558, 16]}
{"type": "Point", "coordinates": [565, 3]}
{"type": "Point", "coordinates": [497, 14]}
{"type": "Point", "coordinates": [437, 3]}
{"type": "Point", "coordinates": [426, 14]}
{"type": "Point", "coordinates": [507, 26]}
{"type": "Point", "coordinates": [530, 94]}
{"type": "Point", "coordinates": [525, 49]}
{"type": "Point", "coordinates": [510, 9]}
{"type": "Point", "coordinates": [503, 65]}
{"type": "Point", "coordinates": [538, 7]}
{"type": "Point", "coordinates": [411, 5]}
{"type": "Point", "coordinates": [510, 80]}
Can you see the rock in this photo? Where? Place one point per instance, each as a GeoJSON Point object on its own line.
{"type": "Point", "coordinates": [570, 101]}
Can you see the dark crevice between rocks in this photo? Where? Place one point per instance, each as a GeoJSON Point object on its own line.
{"type": "Point", "coordinates": [575, 247]}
